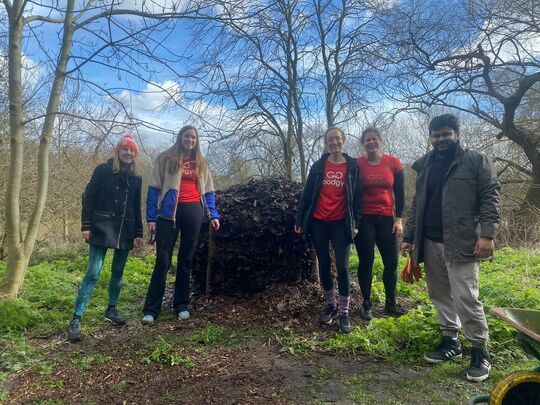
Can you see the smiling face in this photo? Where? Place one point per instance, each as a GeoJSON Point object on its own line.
{"type": "Point", "coordinates": [126, 155]}
{"type": "Point", "coordinates": [334, 141]}
{"type": "Point", "coordinates": [189, 140]}
{"type": "Point", "coordinates": [371, 143]}
{"type": "Point", "coordinates": [443, 138]}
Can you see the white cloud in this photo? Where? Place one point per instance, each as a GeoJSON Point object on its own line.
{"type": "Point", "coordinates": [155, 97]}
{"type": "Point", "coordinates": [509, 42]}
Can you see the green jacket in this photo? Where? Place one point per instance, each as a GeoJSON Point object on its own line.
{"type": "Point", "coordinates": [470, 205]}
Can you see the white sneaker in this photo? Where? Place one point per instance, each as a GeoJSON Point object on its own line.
{"type": "Point", "coordinates": [148, 320]}
{"type": "Point", "coordinates": [183, 315]}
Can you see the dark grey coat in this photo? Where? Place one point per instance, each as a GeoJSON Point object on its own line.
{"type": "Point", "coordinates": [470, 205]}
{"type": "Point", "coordinates": [111, 208]}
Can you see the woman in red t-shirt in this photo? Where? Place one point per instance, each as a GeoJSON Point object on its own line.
{"type": "Point", "coordinates": [328, 210]}
{"type": "Point", "coordinates": [180, 193]}
{"type": "Point", "coordinates": [383, 200]}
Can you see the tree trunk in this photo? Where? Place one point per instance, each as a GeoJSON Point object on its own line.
{"type": "Point", "coordinates": [19, 252]}
{"type": "Point", "coordinates": [532, 198]}
{"type": "Point", "coordinates": [65, 224]}
{"type": "Point", "coordinates": [16, 267]}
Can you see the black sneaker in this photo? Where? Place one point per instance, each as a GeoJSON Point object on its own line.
{"type": "Point", "coordinates": [74, 331]}
{"type": "Point", "coordinates": [344, 323]}
{"type": "Point", "coordinates": [366, 314]}
{"type": "Point", "coordinates": [480, 365]}
{"type": "Point", "coordinates": [328, 314]}
{"type": "Point", "coordinates": [114, 317]}
{"type": "Point", "coordinates": [448, 349]}
{"type": "Point", "coordinates": [395, 309]}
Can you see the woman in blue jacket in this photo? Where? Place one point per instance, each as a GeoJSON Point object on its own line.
{"type": "Point", "coordinates": [180, 191]}
{"type": "Point", "coordinates": [111, 218]}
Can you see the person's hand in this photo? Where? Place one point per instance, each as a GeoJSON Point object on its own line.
{"type": "Point", "coordinates": [484, 248]}
{"type": "Point", "coordinates": [298, 229]}
{"type": "Point", "coordinates": [405, 248]}
{"type": "Point", "coordinates": [138, 243]}
{"type": "Point", "coordinates": [397, 229]}
{"type": "Point", "coordinates": [215, 224]}
{"type": "Point", "coordinates": [86, 236]}
{"type": "Point", "coordinates": [151, 227]}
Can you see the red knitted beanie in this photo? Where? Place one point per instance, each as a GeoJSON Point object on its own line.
{"type": "Point", "coordinates": [127, 141]}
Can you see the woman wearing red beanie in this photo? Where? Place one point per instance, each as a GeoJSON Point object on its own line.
{"type": "Point", "coordinates": [111, 218]}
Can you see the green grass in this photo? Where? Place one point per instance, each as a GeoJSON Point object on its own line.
{"type": "Point", "coordinates": [511, 279]}
{"type": "Point", "coordinates": [213, 335]}
{"type": "Point", "coordinates": [46, 302]}
{"type": "Point", "coordinates": [166, 352]}
{"type": "Point", "coordinates": [356, 387]}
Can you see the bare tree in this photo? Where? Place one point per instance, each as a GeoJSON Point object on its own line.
{"type": "Point", "coordinates": [104, 31]}
{"type": "Point", "coordinates": [347, 57]}
{"type": "Point", "coordinates": [481, 59]}
{"type": "Point", "coordinates": [251, 64]}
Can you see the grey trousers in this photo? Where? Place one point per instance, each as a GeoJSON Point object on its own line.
{"type": "Point", "coordinates": [453, 288]}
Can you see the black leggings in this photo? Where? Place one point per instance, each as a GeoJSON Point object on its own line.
{"type": "Point", "coordinates": [188, 223]}
{"type": "Point", "coordinates": [335, 232]}
{"type": "Point", "coordinates": [374, 229]}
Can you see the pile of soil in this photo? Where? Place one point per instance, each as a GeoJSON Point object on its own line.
{"type": "Point", "coordinates": [256, 244]}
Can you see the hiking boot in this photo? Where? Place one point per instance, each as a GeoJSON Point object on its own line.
{"type": "Point", "coordinates": [114, 317]}
{"type": "Point", "coordinates": [449, 348]}
{"type": "Point", "coordinates": [328, 314]}
{"type": "Point", "coordinates": [74, 331]}
{"type": "Point", "coordinates": [148, 320]}
{"type": "Point", "coordinates": [395, 309]}
{"type": "Point", "coordinates": [344, 323]}
{"type": "Point", "coordinates": [366, 314]}
{"type": "Point", "coordinates": [480, 365]}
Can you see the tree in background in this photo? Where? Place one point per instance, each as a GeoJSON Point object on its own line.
{"type": "Point", "coordinates": [480, 57]}
{"type": "Point", "coordinates": [107, 39]}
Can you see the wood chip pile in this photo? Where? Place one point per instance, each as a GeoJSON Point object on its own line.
{"type": "Point", "coordinates": [256, 244]}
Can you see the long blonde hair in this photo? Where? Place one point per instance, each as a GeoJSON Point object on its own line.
{"type": "Point", "coordinates": [176, 153]}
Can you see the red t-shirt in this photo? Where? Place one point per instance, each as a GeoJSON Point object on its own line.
{"type": "Point", "coordinates": [188, 184]}
{"type": "Point", "coordinates": [332, 200]}
{"type": "Point", "coordinates": [377, 185]}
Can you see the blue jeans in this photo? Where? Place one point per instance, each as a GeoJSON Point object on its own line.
{"type": "Point", "coordinates": [95, 263]}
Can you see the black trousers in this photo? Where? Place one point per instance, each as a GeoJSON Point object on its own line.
{"type": "Point", "coordinates": [336, 232]}
{"type": "Point", "coordinates": [375, 229]}
{"type": "Point", "coordinates": [188, 224]}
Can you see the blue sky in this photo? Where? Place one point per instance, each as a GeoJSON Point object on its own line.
{"type": "Point", "coordinates": [143, 97]}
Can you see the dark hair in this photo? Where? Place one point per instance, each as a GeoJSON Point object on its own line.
{"type": "Point", "coordinates": [370, 130]}
{"type": "Point", "coordinates": [330, 129]}
{"type": "Point", "coordinates": [445, 120]}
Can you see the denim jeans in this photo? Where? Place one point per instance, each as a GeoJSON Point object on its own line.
{"type": "Point", "coordinates": [95, 263]}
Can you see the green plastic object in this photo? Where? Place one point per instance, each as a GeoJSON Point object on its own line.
{"type": "Point", "coordinates": [527, 322]}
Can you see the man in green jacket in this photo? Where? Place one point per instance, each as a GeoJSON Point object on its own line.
{"type": "Point", "coordinates": [451, 226]}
